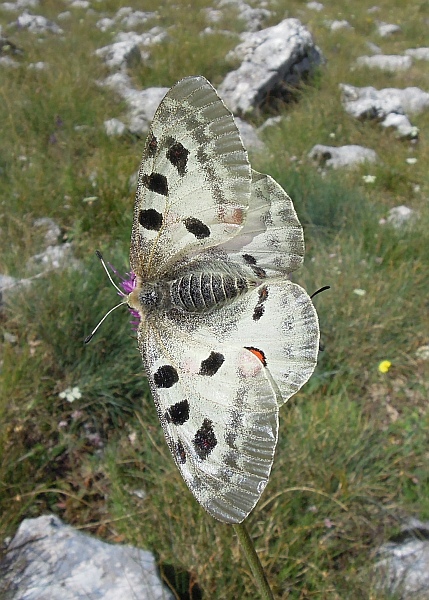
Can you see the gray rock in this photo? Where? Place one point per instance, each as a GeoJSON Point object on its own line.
{"type": "Point", "coordinates": [105, 23]}
{"type": "Point", "coordinates": [373, 47]}
{"type": "Point", "coordinates": [54, 257]}
{"type": "Point", "coordinates": [388, 62]}
{"type": "Point", "coordinates": [37, 24]}
{"type": "Point", "coordinates": [386, 29]}
{"type": "Point", "coordinates": [8, 61]}
{"type": "Point", "coordinates": [342, 156]}
{"type": "Point", "coordinates": [142, 107]}
{"type": "Point", "coordinates": [156, 35]}
{"type": "Point", "coordinates": [37, 66]}
{"type": "Point", "coordinates": [249, 136]}
{"type": "Point", "coordinates": [402, 125]}
{"type": "Point", "coordinates": [48, 560]}
{"type": "Point", "coordinates": [80, 4]}
{"type": "Point", "coordinates": [213, 15]}
{"type": "Point", "coordinates": [125, 51]}
{"type": "Point", "coordinates": [270, 122]}
{"type": "Point", "coordinates": [63, 16]}
{"type": "Point", "coordinates": [120, 54]}
{"type": "Point", "coordinates": [418, 53]}
{"type": "Point", "coordinates": [403, 568]}
{"type": "Point", "coordinates": [252, 17]}
{"type": "Point", "coordinates": [19, 5]}
{"type": "Point", "coordinates": [400, 217]}
{"type": "Point", "coordinates": [51, 229]}
{"type": "Point", "coordinates": [141, 103]}
{"type": "Point", "coordinates": [8, 287]}
{"type": "Point", "coordinates": [336, 25]}
{"type": "Point", "coordinates": [126, 17]}
{"type": "Point", "coordinates": [6, 282]}
{"type": "Point", "coordinates": [120, 82]}
{"type": "Point", "coordinates": [272, 60]}
{"type": "Point", "coordinates": [114, 127]}
{"type": "Point", "coordinates": [135, 18]}
{"type": "Point", "coordinates": [386, 104]}
{"type": "Point", "coordinates": [318, 6]}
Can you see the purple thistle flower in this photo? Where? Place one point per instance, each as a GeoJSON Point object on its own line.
{"type": "Point", "coordinates": [128, 284]}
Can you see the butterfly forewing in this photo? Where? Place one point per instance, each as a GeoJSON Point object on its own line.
{"type": "Point", "coordinates": [225, 337]}
{"type": "Point", "coordinates": [194, 180]}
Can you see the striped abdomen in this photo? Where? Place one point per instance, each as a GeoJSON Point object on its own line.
{"type": "Point", "coordinates": [200, 292]}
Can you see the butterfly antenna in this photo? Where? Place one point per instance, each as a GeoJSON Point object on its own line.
{"type": "Point", "coordinates": [322, 289]}
{"type": "Point", "coordinates": [100, 257]}
{"type": "Point", "coordinates": [91, 335]}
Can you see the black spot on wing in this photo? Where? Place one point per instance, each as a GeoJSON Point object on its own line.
{"type": "Point", "coordinates": [155, 182]}
{"type": "Point", "coordinates": [150, 219]}
{"type": "Point", "coordinates": [151, 145]}
{"type": "Point", "coordinates": [212, 364]}
{"type": "Point", "coordinates": [165, 377]}
{"type": "Point", "coordinates": [178, 414]}
{"type": "Point", "coordinates": [177, 154]}
{"type": "Point", "coordinates": [197, 228]}
{"type": "Point", "coordinates": [259, 271]}
{"type": "Point", "coordinates": [260, 308]}
{"type": "Point", "coordinates": [258, 312]}
{"type": "Point", "coordinates": [249, 259]}
{"type": "Point", "coordinates": [205, 440]}
{"type": "Point", "coordinates": [180, 453]}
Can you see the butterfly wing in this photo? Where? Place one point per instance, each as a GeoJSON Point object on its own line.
{"type": "Point", "coordinates": [219, 413]}
{"type": "Point", "coordinates": [194, 180]}
{"type": "Point", "coordinates": [271, 237]}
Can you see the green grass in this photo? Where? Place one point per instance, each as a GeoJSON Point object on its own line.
{"type": "Point", "coordinates": [352, 454]}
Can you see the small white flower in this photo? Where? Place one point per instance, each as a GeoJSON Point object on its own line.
{"type": "Point", "coordinates": [71, 394]}
{"type": "Point", "coordinates": [369, 178]}
{"type": "Point", "coordinates": [359, 292]}
{"type": "Point", "coordinates": [332, 135]}
{"type": "Point", "coordinates": [411, 161]}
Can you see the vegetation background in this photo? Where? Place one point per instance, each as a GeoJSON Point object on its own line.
{"type": "Point", "coordinates": [352, 458]}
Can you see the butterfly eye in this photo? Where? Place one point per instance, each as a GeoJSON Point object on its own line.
{"type": "Point", "coordinates": [150, 296]}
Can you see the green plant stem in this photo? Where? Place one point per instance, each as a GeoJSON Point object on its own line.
{"type": "Point", "coordinates": [253, 560]}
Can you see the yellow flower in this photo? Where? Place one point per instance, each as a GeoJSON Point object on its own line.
{"type": "Point", "coordinates": [384, 366]}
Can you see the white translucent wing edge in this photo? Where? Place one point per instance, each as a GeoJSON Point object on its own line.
{"type": "Point", "coordinates": [215, 187]}
{"type": "Point", "coordinates": [242, 405]}
{"type": "Point", "coordinates": [292, 337]}
{"type": "Point", "coordinates": [272, 233]}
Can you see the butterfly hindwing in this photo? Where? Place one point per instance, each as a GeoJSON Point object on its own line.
{"type": "Point", "coordinates": [219, 413]}
{"type": "Point", "coordinates": [271, 238]}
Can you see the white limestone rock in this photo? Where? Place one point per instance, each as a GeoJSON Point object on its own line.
{"type": "Point", "coordinates": [387, 62]}
{"type": "Point", "coordinates": [272, 60]}
{"type": "Point", "coordinates": [342, 156]}
{"type": "Point", "coordinates": [38, 24]}
{"type": "Point", "coordinates": [48, 560]}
